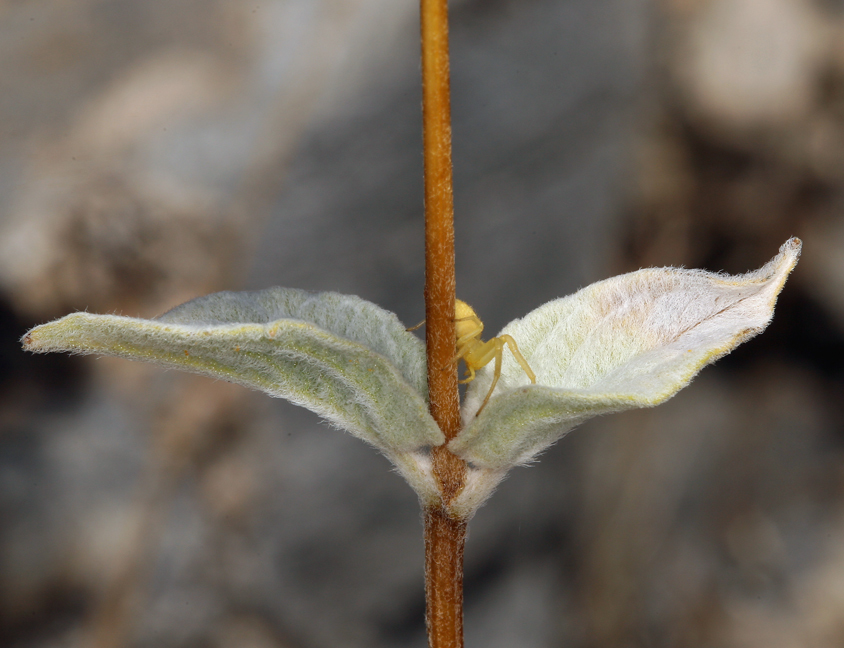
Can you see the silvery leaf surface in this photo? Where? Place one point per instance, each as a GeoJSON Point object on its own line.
{"type": "Point", "coordinates": [340, 356]}
{"type": "Point", "coordinates": [631, 341]}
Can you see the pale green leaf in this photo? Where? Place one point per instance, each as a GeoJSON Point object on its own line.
{"type": "Point", "coordinates": [346, 359]}
{"type": "Point", "coordinates": [631, 341]}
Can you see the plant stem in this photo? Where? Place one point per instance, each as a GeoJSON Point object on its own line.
{"type": "Point", "coordinates": [439, 218]}
{"type": "Point", "coordinates": [444, 540]}
{"type": "Point", "coordinates": [444, 535]}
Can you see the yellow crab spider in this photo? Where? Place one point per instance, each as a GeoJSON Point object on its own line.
{"type": "Point", "coordinates": [476, 353]}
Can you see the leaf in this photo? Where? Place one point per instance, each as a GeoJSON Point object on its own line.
{"type": "Point", "coordinates": [631, 341]}
{"type": "Point", "coordinates": [344, 358]}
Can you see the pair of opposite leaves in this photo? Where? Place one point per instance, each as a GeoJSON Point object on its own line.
{"type": "Point", "coordinates": [631, 341]}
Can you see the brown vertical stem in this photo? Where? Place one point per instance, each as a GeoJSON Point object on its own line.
{"type": "Point", "coordinates": [444, 535]}
{"type": "Point", "coordinates": [444, 539]}
{"type": "Point", "coordinates": [439, 218]}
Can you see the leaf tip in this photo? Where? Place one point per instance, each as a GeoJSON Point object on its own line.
{"type": "Point", "coordinates": [793, 243]}
{"type": "Point", "coordinates": [32, 341]}
{"type": "Point", "coordinates": [788, 256]}
{"type": "Point", "coordinates": [45, 338]}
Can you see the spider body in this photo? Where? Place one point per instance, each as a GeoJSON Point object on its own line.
{"type": "Point", "coordinates": [476, 353]}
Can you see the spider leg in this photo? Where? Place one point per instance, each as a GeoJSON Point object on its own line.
{"type": "Point", "coordinates": [499, 353]}
{"type": "Point", "coordinates": [466, 350]}
{"type": "Point", "coordinates": [514, 349]}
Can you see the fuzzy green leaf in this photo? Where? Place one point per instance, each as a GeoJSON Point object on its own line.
{"type": "Point", "coordinates": [631, 341]}
{"type": "Point", "coordinates": [344, 358]}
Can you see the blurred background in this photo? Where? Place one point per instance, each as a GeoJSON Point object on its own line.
{"type": "Point", "coordinates": [154, 151]}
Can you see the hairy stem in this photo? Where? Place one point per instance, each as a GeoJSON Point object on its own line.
{"type": "Point", "coordinates": [444, 535]}
{"type": "Point", "coordinates": [444, 540]}
{"type": "Point", "coordinates": [439, 218]}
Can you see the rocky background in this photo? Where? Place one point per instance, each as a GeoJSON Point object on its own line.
{"type": "Point", "coordinates": [158, 150]}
